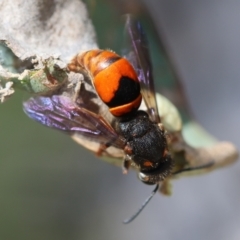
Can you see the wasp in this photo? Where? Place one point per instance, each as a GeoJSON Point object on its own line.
{"type": "Point", "coordinates": [118, 86]}
{"type": "Point", "coordinates": [121, 84]}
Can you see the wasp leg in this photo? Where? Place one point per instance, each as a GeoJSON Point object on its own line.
{"type": "Point", "coordinates": [127, 158]}
{"type": "Point", "coordinates": [77, 90]}
{"type": "Point", "coordinates": [102, 148]}
{"type": "Point", "coordinates": [160, 125]}
{"type": "Point", "coordinates": [126, 164]}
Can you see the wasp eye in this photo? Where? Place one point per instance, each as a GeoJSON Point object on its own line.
{"type": "Point", "coordinates": [145, 179]}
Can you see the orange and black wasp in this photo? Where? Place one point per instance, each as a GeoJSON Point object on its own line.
{"type": "Point", "coordinates": [121, 83]}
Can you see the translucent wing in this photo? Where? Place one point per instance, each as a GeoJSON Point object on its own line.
{"type": "Point", "coordinates": [61, 113]}
{"type": "Point", "coordinates": [140, 59]}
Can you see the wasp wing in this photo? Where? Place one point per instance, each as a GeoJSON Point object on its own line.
{"type": "Point", "coordinates": [140, 59]}
{"type": "Point", "coordinates": [60, 112]}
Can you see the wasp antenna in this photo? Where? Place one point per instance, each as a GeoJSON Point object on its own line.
{"type": "Point", "coordinates": [143, 206]}
{"type": "Point", "coordinates": [210, 164]}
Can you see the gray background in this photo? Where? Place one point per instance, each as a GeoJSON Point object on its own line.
{"type": "Point", "coordinates": [50, 188]}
